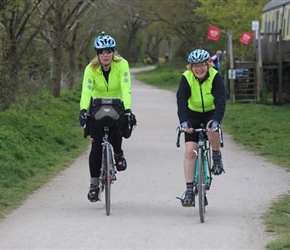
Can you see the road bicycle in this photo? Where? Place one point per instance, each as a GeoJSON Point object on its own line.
{"type": "Point", "coordinates": [108, 167]}
{"type": "Point", "coordinates": [202, 177]}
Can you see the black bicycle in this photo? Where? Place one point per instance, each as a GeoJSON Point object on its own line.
{"type": "Point", "coordinates": [202, 177]}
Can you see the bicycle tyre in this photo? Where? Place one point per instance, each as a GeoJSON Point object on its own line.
{"type": "Point", "coordinates": [201, 186]}
{"type": "Point", "coordinates": [108, 180]}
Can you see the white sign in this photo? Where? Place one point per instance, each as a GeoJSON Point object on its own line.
{"type": "Point", "coordinates": [255, 25]}
{"type": "Point", "coordinates": [232, 74]}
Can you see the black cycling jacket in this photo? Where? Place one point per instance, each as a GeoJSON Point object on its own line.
{"type": "Point", "coordinates": [184, 93]}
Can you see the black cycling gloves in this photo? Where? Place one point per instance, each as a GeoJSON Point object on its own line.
{"type": "Point", "coordinates": [131, 117]}
{"type": "Point", "coordinates": [83, 117]}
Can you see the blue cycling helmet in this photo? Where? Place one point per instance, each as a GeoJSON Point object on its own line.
{"type": "Point", "coordinates": [104, 41]}
{"type": "Point", "coordinates": [198, 55]}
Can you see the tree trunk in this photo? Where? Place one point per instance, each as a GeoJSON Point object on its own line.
{"type": "Point", "coordinates": [72, 67]}
{"type": "Point", "coordinates": [56, 71]}
{"type": "Point", "coordinates": [72, 61]}
{"type": "Point", "coordinates": [9, 77]}
{"type": "Point", "coordinates": [57, 44]}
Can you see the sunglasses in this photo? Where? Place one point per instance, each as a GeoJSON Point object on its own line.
{"type": "Point", "coordinates": [104, 51]}
{"type": "Point", "coordinates": [198, 65]}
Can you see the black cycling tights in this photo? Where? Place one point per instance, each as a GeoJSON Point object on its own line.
{"type": "Point", "coordinates": [95, 158]}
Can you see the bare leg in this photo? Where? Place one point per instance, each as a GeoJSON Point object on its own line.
{"type": "Point", "coordinates": [213, 138]}
{"type": "Point", "coordinates": [189, 160]}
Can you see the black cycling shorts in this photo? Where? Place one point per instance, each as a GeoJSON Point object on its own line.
{"type": "Point", "coordinates": [196, 119]}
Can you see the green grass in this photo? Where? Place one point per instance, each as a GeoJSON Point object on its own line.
{"type": "Point", "coordinates": [258, 127]}
{"type": "Point", "coordinates": [162, 77]}
{"type": "Point", "coordinates": [263, 129]}
{"type": "Point", "coordinates": [38, 138]}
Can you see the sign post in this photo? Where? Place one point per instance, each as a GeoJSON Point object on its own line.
{"type": "Point", "coordinates": [231, 70]}
{"type": "Point", "coordinates": [259, 65]}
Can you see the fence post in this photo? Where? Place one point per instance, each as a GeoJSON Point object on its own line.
{"type": "Point", "coordinates": [280, 72]}
{"type": "Point", "coordinates": [232, 81]}
{"type": "Point", "coordinates": [259, 67]}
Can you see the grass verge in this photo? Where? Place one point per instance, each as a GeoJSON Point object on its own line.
{"type": "Point", "coordinates": [260, 128]}
{"type": "Point", "coordinates": [38, 138]}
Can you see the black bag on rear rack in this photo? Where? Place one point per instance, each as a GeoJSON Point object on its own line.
{"type": "Point", "coordinates": [107, 111]}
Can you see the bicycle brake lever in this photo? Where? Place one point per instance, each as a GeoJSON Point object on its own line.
{"type": "Point", "coordinates": [221, 137]}
{"type": "Point", "coordinates": [178, 131]}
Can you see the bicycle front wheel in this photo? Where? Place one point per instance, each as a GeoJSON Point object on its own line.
{"type": "Point", "coordinates": [201, 186]}
{"type": "Point", "coordinates": [108, 180]}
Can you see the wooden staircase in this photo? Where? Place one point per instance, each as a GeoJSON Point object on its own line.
{"type": "Point", "coordinates": [245, 82]}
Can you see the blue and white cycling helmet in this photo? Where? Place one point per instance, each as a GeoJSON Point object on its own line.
{"type": "Point", "coordinates": [198, 55]}
{"type": "Point", "coordinates": [104, 41]}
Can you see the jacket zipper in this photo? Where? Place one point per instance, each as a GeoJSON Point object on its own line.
{"type": "Point", "coordinates": [201, 98]}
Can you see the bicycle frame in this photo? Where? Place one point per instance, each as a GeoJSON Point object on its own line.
{"type": "Point", "coordinates": [203, 154]}
{"type": "Point", "coordinates": [202, 178]}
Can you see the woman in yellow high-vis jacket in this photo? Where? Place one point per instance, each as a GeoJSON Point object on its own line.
{"type": "Point", "coordinates": [107, 75]}
{"type": "Point", "coordinates": [201, 98]}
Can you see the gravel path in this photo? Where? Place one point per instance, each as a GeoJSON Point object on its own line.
{"type": "Point", "coordinates": [145, 213]}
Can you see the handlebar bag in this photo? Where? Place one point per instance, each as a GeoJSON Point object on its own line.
{"type": "Point", "coordinates": [107, 111]}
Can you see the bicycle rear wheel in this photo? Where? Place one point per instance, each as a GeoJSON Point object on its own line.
{"type": "Point", "coordinates": [201, 186]}
{"type": "Point", "coordinates": [108, 180]}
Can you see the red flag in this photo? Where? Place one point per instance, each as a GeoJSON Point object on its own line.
{"type": "Point", "coordinates": [246, 37]}
{"type": "Point", "coordinates": [213, 33]}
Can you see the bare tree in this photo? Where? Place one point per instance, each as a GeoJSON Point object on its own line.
{"type": "Point", "coordinates": [62, 19]}
{"type": "Point", "coordinates": [13, 24]}
{"type": "Point", "coordinates": [178, 22]}
{"type": "Point", "coordinates": [131, 21]}
{"type": "Point", "coordinates": [77, 42]}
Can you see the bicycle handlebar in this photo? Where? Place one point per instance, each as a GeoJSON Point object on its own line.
{"type": "Point", "coordinates": [124, 116]}
{"type": "Point", "coordinates": [220, 131]}
{"type": "Point", "coordinates": [198, 130]}
{"type": "Point", "coordinates": [178, 132]}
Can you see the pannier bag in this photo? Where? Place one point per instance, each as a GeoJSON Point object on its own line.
{"type": "Point", "coordinates": [107, 111]}
{"type": "Point", "coordinates": [127, 126]}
